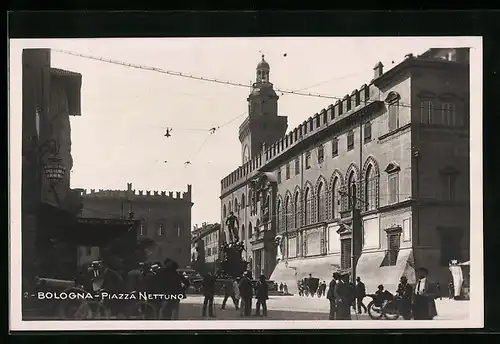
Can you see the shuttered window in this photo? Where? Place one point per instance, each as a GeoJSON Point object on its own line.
{"type": "Point", "coordinates": [345, 254]}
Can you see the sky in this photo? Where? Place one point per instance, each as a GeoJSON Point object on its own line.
{"type": "Point", "coordinates": [119, 138]}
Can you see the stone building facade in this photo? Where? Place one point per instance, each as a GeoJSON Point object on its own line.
{"type": "Point", "coordinates": [49, 97]}
{"type": "Point", "coordinates": [206, 242]}
{"type": "Point", "coordinates": [400, 145]}
{"type": "Point", "coordinates": [165, 218]}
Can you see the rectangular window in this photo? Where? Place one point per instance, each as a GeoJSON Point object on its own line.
{"type": "Point", "coordinates": [321, 154]}
{"type": "Point", "coordinates": [88, 251]}
{"type": "Point", "coordinates": [335, 147]}
{"type": "Point", "coordinates": [345, 254]}
{"type": "Point", "coordinates": [160, 230]}
{"type": "Point", "coordinates": [393, 188]}
{"type": "Point", "coordinates": [350, 140]}
{"type": "Point", "coordinates": [308, 160]}
{"type": "Point", "coordinates": [368, 132]}
{"type": "Point", "coordinates": [287, 171]}
{"type": "Point", "coordinates": [426, 115]}
{"type": "Point", "coordinates": [297, 166]}
{"type": "Point", "coordinates": [448, 114]}
{"type": "Point", "coordinates": [279, 176]}
{"type": "Point", "coordinates": [407, 230]}
{"type": "Point", "coordinates": [393, 244]}
{"type": "Point", "coordinates": [449, 186]}
{"type": "Point", "coordinates": [393, 116]}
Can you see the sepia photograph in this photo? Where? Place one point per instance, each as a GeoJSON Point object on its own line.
{"type": "Point", "coordinates": [245, 183]}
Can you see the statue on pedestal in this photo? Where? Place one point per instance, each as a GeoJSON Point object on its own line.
{"type": "Point", "coordinates": [233, 264]}
{"type": "Point", "coordinates": [232, 226]}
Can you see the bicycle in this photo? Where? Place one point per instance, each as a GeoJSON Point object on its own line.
{"type": "Point", "coordinates": [387, 308]}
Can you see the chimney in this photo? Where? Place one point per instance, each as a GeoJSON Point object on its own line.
{"type": "Point", "coordinates": [129, 186]}
{"type": "Point", "coordinates": [378, 70]}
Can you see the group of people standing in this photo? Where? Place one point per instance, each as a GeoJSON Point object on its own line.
{"type": "Point", "coordinates": [414, 302]}
{"type": "Point", "coordinates": [241, 291]}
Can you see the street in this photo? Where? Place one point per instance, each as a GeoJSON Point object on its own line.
{"type": "Point", "coordinates": [296, 308]}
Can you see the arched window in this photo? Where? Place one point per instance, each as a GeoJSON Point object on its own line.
{"type": "Point", "coordinates": [320, 203]}
{"type": "Point", "coordinates": [242, 235]}
{"type": "Point", "coordinates": [230, 208]}
{"type": "Point", "coordinates": [257, 227]}
{"type": "Point", "coordinates": [351, 189]}
{"type": "Point", "coordinates": [249, 230]}
{"type": "Point", "coordinates": [278, 214]}
{"type": "Point", "coordinates": [296, 207]}
{"type": "Point", "coordinates": [287, 212]}
{"type": "Point", "coordinates": [224, 211]}
{"type": "Point", "coordinates": [336, 198]}
{"type": "Point", "coordinates": [249, 203]}
{"type": "Point", "coordinates": [242, 201]}
{"type": "Point", "coordinates": [370, 189]}
{"type": "Point", "coordinates": [236, 206]}
{"type": "Point", "coordinates": [307, 207]}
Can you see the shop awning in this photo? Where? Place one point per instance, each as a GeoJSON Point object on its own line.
{"type": "Point", "coordinates": [320, 267]}
{"type": "Point", "coordinates": [372, 274]}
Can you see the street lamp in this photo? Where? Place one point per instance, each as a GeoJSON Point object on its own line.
{"type": "Point", "coordinates": [54, 170]}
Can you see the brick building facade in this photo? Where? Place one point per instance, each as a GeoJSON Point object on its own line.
{"type": "Point", "coordinates": [165, 218]}
{"type": "Point", "coordinates": [400, 144]}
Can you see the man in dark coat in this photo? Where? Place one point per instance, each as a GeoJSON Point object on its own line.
{"type": "Point", "coordinates": [246, 293]}
{"type": "Point", "coordinates": [262, 295]}
{"type": "Point", "coordinates": [360, 293]}
{"type": "Point", "coordinates": [343, 298]}
{"type": "Point", "coordinates": [405, 292]}
{"type": "Point", "coordinates": [172, 283]}
{"type": "Point", "coordinates": [209, 292]}
{"type": "Point", "coordinates": [232, 226]}
{"type": "Point", "coordinates": [424, 307]}
{"type": "Point", "coordinates": [330, 295]}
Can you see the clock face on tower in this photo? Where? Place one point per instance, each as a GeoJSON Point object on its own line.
{"type": "Point", "coordinates": [246, 154]}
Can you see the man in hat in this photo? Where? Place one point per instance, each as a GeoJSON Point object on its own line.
{"type": "Point", "coordinates": [330, 295]}
{"type": "Point", "coordinates": [424, 307]}
{"type": "Point", "coordinates": [343, 298]}
{"type": "Point", "coordinates": [360, 293]}
{"type": "Point", "coordinates": [405, 292]}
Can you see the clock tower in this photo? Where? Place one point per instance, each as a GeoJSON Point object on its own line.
{"type": "Point", "coordinates": [263, 126]}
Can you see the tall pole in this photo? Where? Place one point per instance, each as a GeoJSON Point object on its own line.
{"type": "Point", "coordinates": [356, 220]}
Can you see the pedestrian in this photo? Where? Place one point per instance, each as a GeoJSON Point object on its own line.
{"type": "Point", "coordinates": [299, 287]}
{"type": "Point", "coordinates": [246, 294]}
{"type": "Point", "coordinates": [451, 290]}
{"type": "Point", "coordinates": [322, 289]}
{"type": "Point", "coordinates": [424, 306]}
{"type": "Point", "coordinates": [208, 293]}
{"type": "Point", "coordinates": [405, 292]}
{"type": "Point", "coordinates": [360, 293]}
{"type": "Point", "coordinates": [311, 285]}
{"type": "Point", "coordinates": [281, 287]}
{"type": "Point", "coordinates": [330, 295]}
{"type": "Point", "coordinates": [229, 293]}
{"type": "Point", "coordinates": [172, 283]}
{"type": "Point", "coordinates": [236, 289]}
{"type": "Point", "coordinates": [343, 298]}
{"type": "Point", "coordinates": [285, 289]}
{"type": "Point", "coordinates": [262, 295]}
